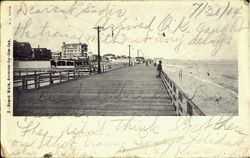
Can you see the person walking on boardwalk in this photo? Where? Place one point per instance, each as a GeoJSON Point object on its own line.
{"type": "Point", "coordinates": [154, 63]}
{"type": "Point", "coordinates": [159, 69]}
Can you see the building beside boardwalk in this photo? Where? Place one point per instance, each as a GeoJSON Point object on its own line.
{"type": "Point", "coordinates": [110, 56]}
{"type": "Point", "coordinates": [74, 50]}
{"type": "Point", "coordinates": [42, 54]}
{"type": "Point", "coordinates": [56, 55]}
{"type": "Point", "coordinates": [140, 59]}
{"type": "Point", "coordinates": [22, 51]}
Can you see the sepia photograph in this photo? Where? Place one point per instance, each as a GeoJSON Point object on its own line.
{"type": "Point", "coordinates": [125, 79]}
{"type": "Point", "coordinates": [114, 60]}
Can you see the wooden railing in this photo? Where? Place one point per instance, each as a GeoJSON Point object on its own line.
{"type": "Point", "coordinates": [181, 102]}
{"type": "Point", "coordinates": [25, 80]}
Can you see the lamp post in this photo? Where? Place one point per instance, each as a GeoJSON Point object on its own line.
{"type": "Point", "coordinates": [98, 46]}
{"type": "Point", "coordinates": [129, 55]}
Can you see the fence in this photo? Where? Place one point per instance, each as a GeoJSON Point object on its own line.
{"type": "Point", "coordinates": [25, 80]}
{"type": "Point", "coordinates": [181, 102]}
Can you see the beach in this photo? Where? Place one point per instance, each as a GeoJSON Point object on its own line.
{"type": "Point", "coordinates": [212, 85]}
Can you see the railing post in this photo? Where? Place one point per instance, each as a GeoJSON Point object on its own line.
{"type": "Point", "coordinates": [38, 80]}
{"type": "Point", "coordinates": [23, 83]}
{"type": "Point", "coordinates": [26, 84]}
{"type": "Point", "coordinates": [50, 78]}
{"type": "Point", "coordinates": [60, 76]}
{"type": "Point", "coordinates": [74, 73]}
{"type": "Point", "coordinates": [35, 78]}
{"type": "Point", "coordinates": [68, 74]}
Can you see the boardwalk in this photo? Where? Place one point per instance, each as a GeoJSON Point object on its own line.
{"type": "Point", "coordinates": [128, 91]}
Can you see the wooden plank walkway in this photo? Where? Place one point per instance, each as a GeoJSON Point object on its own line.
{"type": "Point", "coordinates": [131, 91]}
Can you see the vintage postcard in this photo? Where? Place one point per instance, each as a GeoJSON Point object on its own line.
{"type": "Point", "coordinates": [125, 79]}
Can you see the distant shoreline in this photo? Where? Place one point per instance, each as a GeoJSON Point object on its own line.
{"type": "Point", "coordinates": [210, 61]}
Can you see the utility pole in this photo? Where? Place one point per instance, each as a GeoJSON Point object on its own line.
{"type": "Point", "coordinates": [129, 54]}
{"type": "Point", "coordinates": [98, 46]}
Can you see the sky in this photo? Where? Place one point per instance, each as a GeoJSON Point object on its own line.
{"type": "Point", "coordinates": [160, 29]}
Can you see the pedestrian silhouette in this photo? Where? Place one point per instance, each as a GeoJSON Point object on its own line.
{"type": "Point", "coordinates": [159, 69]}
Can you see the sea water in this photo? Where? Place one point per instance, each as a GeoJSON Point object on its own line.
{"type": "Point", "coordinates": [212, 85]}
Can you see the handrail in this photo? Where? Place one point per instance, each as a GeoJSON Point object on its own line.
{"type": "Point", "coordinates": [38, 79]}
{"type": "Point", "coordinates": [181, 102]}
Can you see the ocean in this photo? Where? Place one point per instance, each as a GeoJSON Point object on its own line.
{"type": "Point", "coordinates": [212, 85]}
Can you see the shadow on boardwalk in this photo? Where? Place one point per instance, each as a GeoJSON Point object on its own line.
{"type": "Point", "coordinates": [129, 91]}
